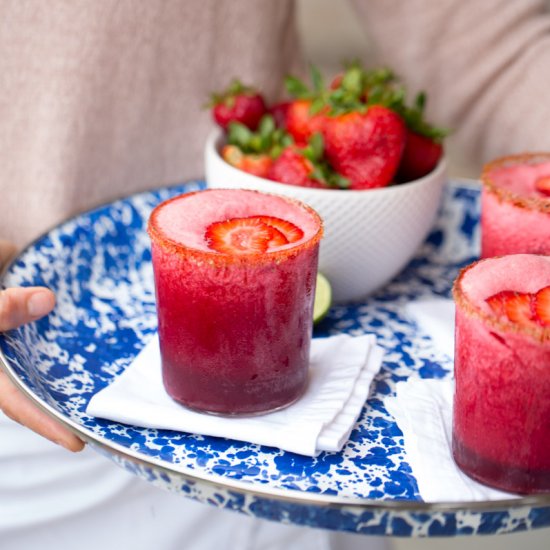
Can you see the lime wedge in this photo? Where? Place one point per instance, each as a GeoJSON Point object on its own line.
{"type": "Point", "coordinates": [323, 298]}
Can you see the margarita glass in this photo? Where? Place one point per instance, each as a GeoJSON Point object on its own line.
{"type": "Point", "coordinates": [234, 323]}
{"type": "Point", "coordinates": [501, 423]}
{"type": "Point", "coordinates": [515, 205]}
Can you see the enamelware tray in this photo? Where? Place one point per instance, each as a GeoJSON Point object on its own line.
{"type": "Point", "coordinates": [99, 265]}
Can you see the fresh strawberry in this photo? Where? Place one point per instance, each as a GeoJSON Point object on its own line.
{"type": "Point", "coordinates": [293, 168]}
{"type": "Point", "coordinates": [542, 185]}
{"type": "Point", "coordinates": [301, 122]}
{"type": "Point", "coordinates": [291, 232]}
{"type": "Point", "coordinates": [243, 236]}
{"type": "Point", "coordinates": [542, 306]}
{"type": "Point", "coordinates": [306, 166]}
{"type": "Point", "coordinates": [365, 147]}
{"type": "Point", "coordinates": [420, 156]}
{"type": "Point", "coordinates": [305, 115]}
{"type": "Point", "coordinates": [279, 112]}
{"type": "Point", "coordinates": [256, 164]}
{"type": "Point", "coordinates": [423, 145]}
{"type": "Point", "coordinates": [238, 103]}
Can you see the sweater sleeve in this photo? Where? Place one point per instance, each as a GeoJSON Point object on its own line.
{"type": "Point", "coordinates": [485, 66]}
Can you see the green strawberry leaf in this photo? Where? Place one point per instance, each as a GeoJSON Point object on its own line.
{"type": "Point", "coordinates": [268, 139]}
{"type": "Point", "coordinates": [296, 88]}
{"type": "Point", "coordinates": [238, 134]}
{"type": "Point", "coordinates": [415, 121]}
{"type": "Point", "coordinates": [317, 80]}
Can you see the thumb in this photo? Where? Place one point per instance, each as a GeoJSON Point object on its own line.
{"type": "Point", "coordinates": [23, 305]}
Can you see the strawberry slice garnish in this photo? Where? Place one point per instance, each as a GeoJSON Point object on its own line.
{"type": "Point", "coordinates": [497, 302]}
{"type": "Point", "coordinates": [517, 307]}
{"type": "Point", "coordinates": [542, 306]}
{"type": "Point", "coordinates": [239, 236]}
{"type": "Point", "coordinates": [251, 235]}
{"type": "Point", "coordinates": [290, 231]}
{"type": "Point", "coordinates": [542, 185]}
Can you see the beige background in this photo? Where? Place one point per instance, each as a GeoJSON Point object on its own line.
{"type": "Point", "coordinates": [330, 35]}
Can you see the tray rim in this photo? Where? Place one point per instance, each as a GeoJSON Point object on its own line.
{"type": "Point", "coordinates": [294, 496]}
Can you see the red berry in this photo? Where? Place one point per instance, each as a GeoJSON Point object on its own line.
{"type": "Point", "coordinates": [300, 123]}
{"type": "Point", "coordinates": [238, 103]}
{"type": "Point", "coordinates": [280, 113]}
{"type": "Point", "coordinates": [497, 302]}
{"type": "Point", "coordinates": [365, 147]}
{"type": "Point", "coordinates": [293, 168]}
{"type": "Point", "coordinates": [542, 185]}
{"type": "Point", "coordinates": [258, 165]}
{"type": "Point", "coordinates": [420, 156]}
{"type": "Point", "coordinates": [243, 236]}
{"type": "Point", "coordinates": [291, 232]}
{"type": "Point", "coordinates": [517, 307]}
{"type": "Point", "coordinates": [542, 306]}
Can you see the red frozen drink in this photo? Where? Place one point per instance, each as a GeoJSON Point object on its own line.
{"type": "Point", "coordinates": [235, 276]}
{"type": "Point", "coordinates": [501, 427]}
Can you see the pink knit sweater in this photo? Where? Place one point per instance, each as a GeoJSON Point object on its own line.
{"type": "Point", "coordinates": [101, 98]}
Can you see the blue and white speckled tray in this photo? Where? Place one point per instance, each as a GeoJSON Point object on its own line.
{"type": "Point", "coordinates": [99, 264]}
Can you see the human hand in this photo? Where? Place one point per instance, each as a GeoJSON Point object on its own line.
{"type": "Point", "coordinates": [19, 306]}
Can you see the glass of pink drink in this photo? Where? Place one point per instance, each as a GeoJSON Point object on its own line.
{"type": "Point", "coordinates": [501, 425]}
{"type": "Point", "coordinates": [515, 205]}
{"type": "Point", "coordinates": [235, 276]}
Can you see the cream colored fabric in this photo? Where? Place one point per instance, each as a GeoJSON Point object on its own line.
{"type": "Point", "coordinates": [101, 98]}
{"type": "Point", "coordinates": [485, 64]}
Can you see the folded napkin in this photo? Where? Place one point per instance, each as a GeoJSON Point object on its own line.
{"type": "Point", "coordinates": [342, 369]}
{"type": "Point", "coordinates": [423, 411]}
{"type": "Point", "coordinates": [436, 318]}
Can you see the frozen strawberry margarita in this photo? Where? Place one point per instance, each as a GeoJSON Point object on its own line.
{"type": "Point", "coordinates": [235, 275]}
{"type": "Point", "coordinates": [515, 215]}
{"type": "Point", "coordinates": [501, 427]}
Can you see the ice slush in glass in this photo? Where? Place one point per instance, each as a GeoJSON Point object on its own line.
{"type": "Point", "coordinates": [501, 424]}
{"type": "Point", "coordinates": [235, 274]}
{"type": "Point", "coordinates": [515, 205]}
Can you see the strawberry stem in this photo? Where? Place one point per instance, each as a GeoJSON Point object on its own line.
{"type": "Point", "coordinates": [268, 139]}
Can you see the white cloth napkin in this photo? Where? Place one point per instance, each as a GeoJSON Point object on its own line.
{"type": "Point", "coordinates": [436, 318]}
{"type": "Point", "coordinates": [341, 370]}
{"type": "Point", "coordinates": [423, 411]}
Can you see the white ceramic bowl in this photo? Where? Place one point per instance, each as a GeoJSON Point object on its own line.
{"type": "Point", "coordinates": [370, 235]}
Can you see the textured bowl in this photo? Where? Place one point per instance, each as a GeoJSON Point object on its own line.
{"type": "Point", "coordinates": [370, 235]}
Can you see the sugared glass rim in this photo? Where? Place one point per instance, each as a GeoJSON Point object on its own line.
{"type": "Point", "coordinates": [219, 258]}
{"type": "Point", "coordinates": [539, 334]}
{"type": "Point", "coordinates": [522, 201]}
